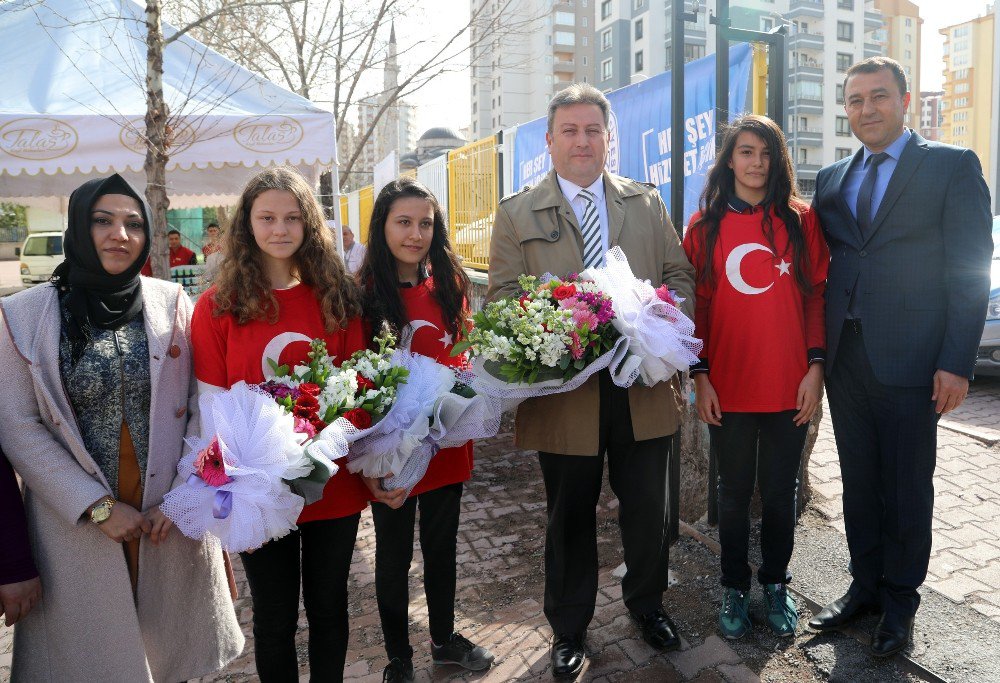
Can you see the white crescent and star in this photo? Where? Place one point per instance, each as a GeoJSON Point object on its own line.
{"type": "Point", "coordinates": [735, 260]}
{"type": "Point", "coordinates": [411, 329]}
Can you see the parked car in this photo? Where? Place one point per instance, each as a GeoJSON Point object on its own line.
{"type": "Point", "coordinates": [40, 254]}
{"type": "Point", "coordinates": [988, 361]}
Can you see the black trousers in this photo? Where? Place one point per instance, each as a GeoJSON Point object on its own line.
{"type": "Point", "coordinates": [273, 575]}
{"type": "Point", "coordinates": [637, 471]}
{"type": "Point", "coordinates": [439, 511]}
{"type": "Point", "coordinates": [887, 441]}
{"type": "Point", "coordinates": [750, 447]}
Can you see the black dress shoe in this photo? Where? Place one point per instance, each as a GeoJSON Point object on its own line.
{"type": "Point", "coordinates": [568, 655]}
{"type": "Point", "coordinates": [841, 612]}
{"type": "Point", "coordinates": [658, 630]}
{"type": "Point", "coordinates": [892, 634]}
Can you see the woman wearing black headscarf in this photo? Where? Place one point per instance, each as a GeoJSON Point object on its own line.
{"type": "Point", "coordinates": [99, 400]}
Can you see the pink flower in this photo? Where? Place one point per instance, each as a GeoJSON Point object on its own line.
{"type": "Point", "coordinates": [210, 466]}
{"type": "Point", "coordinates": [304, 426]}
{"type": "Point", "coordinates": [583, 316]}
{"type": "Point", "coordinates": [665, 295]}
{"type": "Point", "coordinates": [575, 347]}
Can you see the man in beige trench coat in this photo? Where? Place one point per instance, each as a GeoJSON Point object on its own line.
{"type": "Point", "coordinates": [564, 224]}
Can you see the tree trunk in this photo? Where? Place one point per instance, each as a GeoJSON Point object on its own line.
{"type": "Point", "coordinates": [326, 194]}
{"type": "Point", "coordinates": [155, 165]}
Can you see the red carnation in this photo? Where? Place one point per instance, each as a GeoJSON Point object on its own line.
{"type": "Point", "coordinates": [563, 292]}
{"type": "Point", "coordinates": [525, 298]}
{"type": "Point", "coordinates": [306, 407]}
{"type": "Point", "coordinates": [364, 384]}
{"type": "Point", "coordinates": [359, 417]}
{"type": "Point", "coordinates": [310, 388]}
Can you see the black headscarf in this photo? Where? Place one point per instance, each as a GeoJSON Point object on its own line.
{"type": "Point", "coordinates": [94, 298]}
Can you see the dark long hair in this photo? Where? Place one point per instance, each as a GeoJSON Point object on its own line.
{"type": "Point", "coordinates": [780, 197]}
{"type": "Point", "coordinates": [378, 275]}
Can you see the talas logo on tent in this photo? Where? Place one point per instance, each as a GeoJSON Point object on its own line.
{"type": "Point", "coordinates": [613, 162]}
{"type": "Point", "coordinates": [37, 139]}
{"type": "Point", "coordinates": [133, 137]}
{"type": "Point", "coordinates": [268, 133]}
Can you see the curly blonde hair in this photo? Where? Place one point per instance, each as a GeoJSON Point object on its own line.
{"type": "Point", "coordinates": [242, 283]}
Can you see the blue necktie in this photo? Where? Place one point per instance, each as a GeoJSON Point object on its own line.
{"type": "Point", "coordinates": [864, 206]}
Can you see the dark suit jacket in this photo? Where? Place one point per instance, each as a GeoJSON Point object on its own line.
{"type": "Point", "coordinates": [923, 270]}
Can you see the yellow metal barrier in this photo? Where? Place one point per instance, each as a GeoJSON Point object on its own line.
{"type": "Point", "coordinates": [758, 80]}
{"type": "Point", "coordinates": [472, 200]}
{"type": "Point", "coordinates": [366, 200]}
{"type": "Point", "coordinates": [343, 210]}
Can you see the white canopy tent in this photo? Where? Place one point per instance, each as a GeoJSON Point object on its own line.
{"type": "Point", "coordinates": [72, 107]}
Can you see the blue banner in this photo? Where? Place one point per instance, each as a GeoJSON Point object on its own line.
{"type": "Point", "coordinates": [640, 129]}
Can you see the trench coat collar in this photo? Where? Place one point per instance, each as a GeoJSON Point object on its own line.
{"type": "Point", "coordinates": [549, 195]}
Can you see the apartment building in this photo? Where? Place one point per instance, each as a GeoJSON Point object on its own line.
{"type": "Point", "coordinates": [633, 39]}
{"type": "Point", "coordinates": [931, 114]}
{"type": "Point", "coordinates": [968, 88]}
{"type": "Point", "coordinates": [902, 23]}
{"type": "Point", "coordinates": [523, 55]}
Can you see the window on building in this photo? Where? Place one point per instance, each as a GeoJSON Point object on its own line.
{"type": "Point", "coordinates": [960, 32]}
{"type": "Point", "coordinates": [840, 93]}
{"type": "Point", "coordinates": [583, 3]}
{"type": "Point", "coordinates": [962, 102]}
{"type": "Point", "coordinates": [907, 37]}
{"type": "Point", "coordinates": [566, 18]}
{"type": "Point", "coordinates": [907, 22]}
{"type": "Point", "coordinates": [844, 61]}
{"type": "Point", "coordinates": [606, 70]}
{"type": "Point", "coordinates": [807, 186]}
{"type": "Point", "coordinates": [585, 60]}
{"type": "Point", "coordinates": [693, 52]}
{"type": "Point", "coordinates": [845, 4]}
{"type": "Point", "coordinates": [638, 61]}
{"type": "Point", "coordinates": [605, 9]}
{"type": "Point", "coordinates": [766, 23]}
{"type": "Point", "coordinates": [586, 41]}
{"type": "Point", "coordinates": [808, 90]}
{"type": "Point", "coordinates": [606, 39]}
{"type": "Point", "coordinates": [803, 155]}
{"type": "Point", "coordinates": [845, 31]}
{"type": "Point", "coordinates": [585, 22]}
{"type": "Point", "coordinates": [565, 38]}
{"type": "Point", "coordinates": [843, 126]}
{"type": "Point", "coordinates": [638, 29]}
{"type": "Point", "coordinates": [637, 4]}
{"type": "Point", "coordinates": [960, 74]}
{"type": "Point", "coordinates": [908, 54]}
{"type": "Point", "coordinates": [961, 87]}
{"type": "Point", "coordinates": [843, 153]}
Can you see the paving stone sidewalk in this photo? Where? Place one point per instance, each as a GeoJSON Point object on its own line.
{"type": "Point", "coordinates": [965, 555]}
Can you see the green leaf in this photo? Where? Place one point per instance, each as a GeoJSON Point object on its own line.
{"type": "Point", "coordinates": [459, 348]}
{"type": "Point", "coordinates": [579, 364]}
{"type": "Point", "coordinates": [564, 361]}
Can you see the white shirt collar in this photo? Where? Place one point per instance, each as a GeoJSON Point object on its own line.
{"type": "Point", "coordinates": [570, 189]}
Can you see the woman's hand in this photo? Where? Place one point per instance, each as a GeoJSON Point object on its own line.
{"type": "Point", "coordinates": [125, 523]}
{"type": "Point", "coordinates": [393, 499]}
{"type": "Point", "coordinates": [17, 599]}
{"type": "Point", "coordinates": [706, 401]}
{"type": "Point", "coordinates": [160, 525]}
{"type": "Point", "coordinates": [809, 394]}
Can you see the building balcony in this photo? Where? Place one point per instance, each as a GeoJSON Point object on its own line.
{"type": "Point", "coordinates": [873, 20]}
{"type": "Point", "coordinates": [564, 66]}
{"type": "Point", "coordinates": [811, 137]}
{"type": "Point", "coordinates": [812, 71]}
{"type": "Point", "coordinates": [806, 106]}
{"type": "Point", "coordinates": [806, 41]}
{"type": "Point", "coordinates": [872, 50]}
{"type": "Point", "coordinates": [807, 170]}
{"type": "Point", "coordinates": [805, 8]}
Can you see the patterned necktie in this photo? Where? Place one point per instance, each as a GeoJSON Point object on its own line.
{"type": "Point", "coordinates": [864, 207]}
{"type": "Point", "coordinates": [590, 227]}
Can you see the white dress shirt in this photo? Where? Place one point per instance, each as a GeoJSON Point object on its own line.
{"type": "Point", "coordinates": [572, 193]}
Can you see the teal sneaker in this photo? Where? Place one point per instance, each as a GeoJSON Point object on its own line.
{"type": "Point", "coordinates": [782, 616]}
{"type": "Point", "coordinates": [734, 621]}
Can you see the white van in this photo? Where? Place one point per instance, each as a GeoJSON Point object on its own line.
{"type": "Point", "coordinates": [40, 254]}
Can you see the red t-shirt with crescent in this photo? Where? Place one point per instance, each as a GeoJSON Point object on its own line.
{"type": "Point", "coordinates": [226, 352]}
{"type": "Point", "coordinates": [430, 337]}
{"type": "Point", "coordinates": [756, 323]}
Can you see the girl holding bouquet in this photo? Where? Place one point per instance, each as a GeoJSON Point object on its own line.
{"type": "Point", "coordinates": [761, 264]}
{"type": "Point", "coordinates": [412, 281]}
{"type": "Point", "coordinates": [280, 286]}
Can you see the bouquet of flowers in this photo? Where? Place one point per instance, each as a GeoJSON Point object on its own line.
{"type": "Point", "coordinates": [555, 334]}
{"type": "Point", "coordinates": [658, 337]}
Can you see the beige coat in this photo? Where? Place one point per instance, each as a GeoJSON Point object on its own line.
{"type": "Point", "coordinates": [537, 232]}
{"type": "Point", "coordinates": [87, 627]}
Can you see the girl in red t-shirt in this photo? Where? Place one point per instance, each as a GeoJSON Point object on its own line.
{"type": "Point", "coordinates": [280, 286]}
{"type": "Point", "coordinates": [407, 242]}
{"type": "Point", "coordinates": [761, 264]}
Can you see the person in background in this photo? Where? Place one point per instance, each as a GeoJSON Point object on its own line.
{"type": "Point", "coordinates": [354, 251]}
{"type": "Point", "coordinates": [99, 398]}
{"type": "Point", "coordinates": [760, 378]}
{"type": "Point", "coordinates": [179, 254]}
{"type": "Point", "coordinates": [20, 588]}
{"type": "Point", "coordinates": [211, 241]}
{"type": "Point", "coordinates": [412, 281]}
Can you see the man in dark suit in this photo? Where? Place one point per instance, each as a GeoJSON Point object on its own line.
{"type": "Point", "coordinates": [908, 223]}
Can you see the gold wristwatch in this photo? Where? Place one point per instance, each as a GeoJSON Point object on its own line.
{"type": "Point", "coordinates": [100, 512]}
